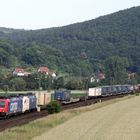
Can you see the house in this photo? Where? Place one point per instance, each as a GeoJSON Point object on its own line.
{"type": "Point", "coordinates": [53, 75]}
{"type": "Point", "coordinates": [27, 73]}
{"type": "Point", "coordinates": [100, 76]}
{"type": "Point", "coordinates": [97, 78]}
{"type": "Point", "coordinates": [131, 75]}
{"type": "Point", "coordinates": [43, 70]}
{"type": "Point", "coordinates": [20, 72]}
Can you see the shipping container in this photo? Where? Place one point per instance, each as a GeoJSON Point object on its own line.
{"type": "Point", "coordinates": [126, 88]}
{"type": "Point", "coordinates": [43, 98]}
{"type": "Point", "coordinates": [117, 89]}
{"type": "Point", "coordinates": [95, 91]}
{"type": "Point", "coordinates": [107, 90]}
{"type": "Point", "coordinates": [62, 95]}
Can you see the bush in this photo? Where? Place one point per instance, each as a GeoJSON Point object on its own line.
{"type": "Point", "coordinates": [137, 94]}
{"type": "Point", "coordinates": [53, 107]}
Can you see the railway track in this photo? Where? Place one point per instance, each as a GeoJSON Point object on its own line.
{"type": "Point", "coordinates": [28, 117]}
{"type": "Point", "coordinates": [91, 101]}
{"type": "Point", "coordinates": [21, 119]}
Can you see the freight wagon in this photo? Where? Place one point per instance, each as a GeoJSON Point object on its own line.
{"type": "Point", "coordinates": [109, 90]}
{"type": "Point", "coordinates": [62, 95]}
{"type": "Point", "coordinates": [43, 98]}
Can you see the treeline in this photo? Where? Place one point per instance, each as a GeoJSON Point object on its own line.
{"type": "Point", "coordinates": [115, 73]}
{"type": "Point", "coordinates": [41, 82]}
{"type": "Point", "coordinates": [79, 49]}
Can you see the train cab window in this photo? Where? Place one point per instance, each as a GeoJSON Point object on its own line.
{"type": "Point", "coordinates": [2, 104]}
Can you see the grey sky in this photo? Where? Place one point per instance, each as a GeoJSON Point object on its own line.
{"type": "Point", "coordinates": [35, 14]}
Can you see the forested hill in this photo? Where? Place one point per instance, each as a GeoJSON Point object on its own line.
{"type": "Point", "coordinates": [80, 48]}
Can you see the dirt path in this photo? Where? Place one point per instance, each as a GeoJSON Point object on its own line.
{"type": "Point", "coordinates": [118, 121]}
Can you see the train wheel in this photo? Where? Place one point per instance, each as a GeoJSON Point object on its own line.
{"type": "Point", "coordinates": [7, 117]}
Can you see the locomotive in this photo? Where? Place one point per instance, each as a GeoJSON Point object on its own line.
{"type": "Point", "coordinates": [21, 103]}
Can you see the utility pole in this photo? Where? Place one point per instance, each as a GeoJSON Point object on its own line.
{"type": "Point", "coordinates": [6, 89]}
{"type": "Point", "coordinates": [39, 82]}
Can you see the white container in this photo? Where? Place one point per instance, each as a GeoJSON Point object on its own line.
{"type": "Point", "coordinates": [94, 91]}
{"type": "Point", "coordinates": [25, 104]}
{"type": "Point", "coordinates": [43, 98]}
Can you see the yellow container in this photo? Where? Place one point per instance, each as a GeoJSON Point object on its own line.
{"type": "Point", "coordinates": [43, 98]}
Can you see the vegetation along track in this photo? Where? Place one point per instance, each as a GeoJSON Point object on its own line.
{"type": "Point", "coordinates": [28, 117]}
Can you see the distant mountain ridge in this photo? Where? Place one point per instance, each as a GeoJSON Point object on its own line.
{"type": "Point", "coordinates": [9, 30]}
{"type": "Point", "coordinates": [80, 48]}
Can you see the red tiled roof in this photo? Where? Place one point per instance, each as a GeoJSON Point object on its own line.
{"type": "Point", "coordinates": [43, 69]}
{"type": "Point", "coordinates": [101, 76]}
{"type": "Point", "coordinates": [19, 70]}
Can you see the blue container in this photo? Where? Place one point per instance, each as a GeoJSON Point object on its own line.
{"type": "Point", "coordinates": [118, 89]}
{"type": "Point", "coordinates": [32, 102]}
{"type": "Point", "coordinates": [15, 105]}
{"type": "Point", "coordinates": [110, 90]}
{"type": "Point", "coordinates": [106, 90]}
{"type": "Point", "coordinates": [62, 95]}
{"type": "Point", "coordinates": [125, 89]}
{"type": "Point", "coordinates": [113, 90]}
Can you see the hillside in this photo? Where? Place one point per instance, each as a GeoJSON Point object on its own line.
{"type": "Point", "coordinates": [79, 49]}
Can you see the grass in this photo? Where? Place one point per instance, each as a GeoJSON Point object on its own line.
{"type": "Point", "coordinates": [137, 94]}
{"type": "Point", "coordinates": [38, 127]}
{"type": "Point", "coordinates": [117, 121]}
{"type": "Point", "coordinates": [28, 131]}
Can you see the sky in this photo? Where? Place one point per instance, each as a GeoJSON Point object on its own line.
{"type": "Point", "coordinates": [38, 14]}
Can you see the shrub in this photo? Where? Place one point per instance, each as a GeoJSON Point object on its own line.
{"type": "Point", "coordinates": [137, 94]}
{"type": "Point", "coordinates": [53, 107]}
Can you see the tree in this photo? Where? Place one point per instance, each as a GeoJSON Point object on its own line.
{"type": "Point", "coordinates": [59, 83]}
{"type": "Point", "coordinates": [17, 83]}
{"type": "Point", "coordinates": [32, 82]}
{"type": "Point", "coordinates": [116, 70]}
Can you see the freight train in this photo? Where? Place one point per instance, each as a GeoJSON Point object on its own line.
{"type": "Point", "coordinates": [35, 101]}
